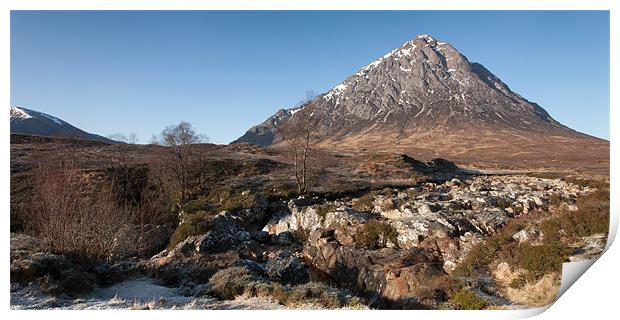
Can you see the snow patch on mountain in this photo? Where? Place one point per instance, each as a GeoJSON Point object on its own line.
{"type": "Point", "coordinates": [18, 113]}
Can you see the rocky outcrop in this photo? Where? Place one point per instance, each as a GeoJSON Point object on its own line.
{"type": "Point", "coordinates": [225, 233]}
{"type": "Point", "coordinates": [314, 217]}
{"type": "Point", "coordinates": [450, 217]}
{"type": "Point", "coordinates": [386, 275]}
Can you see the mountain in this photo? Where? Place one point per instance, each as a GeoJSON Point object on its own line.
{"type": "Point", "coordinates": [426, 97]}
{"type": "Point", "coordinates": [31, 122]}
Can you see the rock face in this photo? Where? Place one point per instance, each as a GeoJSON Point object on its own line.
{"type": "Point", "coordinates": [388, 275]}
{"type": "Point", "coordinates": [425, 95]}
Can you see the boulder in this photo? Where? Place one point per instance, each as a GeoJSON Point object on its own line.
{"type": "Point", "coordinates": [385, 275]}
{"type": "Point", "coordinates": [226, 233]}
{"type": "Point", "coordinates": [308, 218]}
{"type": "Point", "coordinates": [287, 268]}
{"type": "Point", "coordinates": [146, 240]}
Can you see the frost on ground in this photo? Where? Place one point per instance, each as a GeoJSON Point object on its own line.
{"type": "Point", "coordinates": [136, 294]}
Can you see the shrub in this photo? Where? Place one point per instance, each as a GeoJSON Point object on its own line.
{"type": "Point", "coordinates": [196, 205]}
{"type": "Point", "coordinates": [551, 229]}
{"type": "Point", "coordinates": [540, 260]}
{"type": "Point", "coordinates": [314, 293]}
{"type": "Point", "coordinates": [192, 226]}
{"type": "Point", "coordinates": [364, 203]}
{"type": "Point", "coordinates": [234, 281]}
{"type": "Point", "coordinates": [588, 182]}
{"type": "Point", "coordinates": [437, 289]}
{"type": "Point", "coordinates": [503, 203]}
{"type": "Point", "coordinates": [467, 300]}
{"type": "Point", "coordinates": [231, 282]}
{"type": "Point", "coordinates": [375, 234]}
{"type": "Point", "coordinates": [227, 199]}
{"type": "Point", "coordinates": [484, 253]}
{"type": "Point", "coordinates": [555, 199]}
{"type": "Point", "coordinates": [592, 217]}
{"type": "Point", "coordinates": [83, 219]}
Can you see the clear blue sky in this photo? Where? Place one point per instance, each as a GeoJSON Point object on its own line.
{"type": "Point", "coordinates": [126, 72]}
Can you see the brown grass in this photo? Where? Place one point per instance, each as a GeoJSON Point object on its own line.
{"type": "Point", "coordinates": [531, 292]}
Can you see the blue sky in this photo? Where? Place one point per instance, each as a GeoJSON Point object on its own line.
{"type": "Point", "coordinates": [138, 72]}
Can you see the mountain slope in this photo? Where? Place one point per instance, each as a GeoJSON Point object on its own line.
{"type": "Point", "coordinates": [426, 97]}
{"type": "Point", "coordinates": [31, 122]}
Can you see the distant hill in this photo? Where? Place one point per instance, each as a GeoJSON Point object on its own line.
{"type": "Point", "coordinates": [31, 122]}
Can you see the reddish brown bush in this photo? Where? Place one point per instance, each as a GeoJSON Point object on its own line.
{"type": "Point", "coordinates": [79, 216]}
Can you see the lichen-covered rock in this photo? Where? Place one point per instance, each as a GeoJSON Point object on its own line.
{"type": "Point", "coordinates": [226, 233]}
{"type": "Point", "coordinates": [287, 268]}
{"type": "Point", "coordinates": [313, 217]}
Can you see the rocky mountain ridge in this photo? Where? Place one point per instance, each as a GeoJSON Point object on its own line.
{"type": "Point", "coordinates": [425, 95]}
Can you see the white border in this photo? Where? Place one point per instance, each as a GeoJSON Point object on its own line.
{"type": "Point", "coordinates": [594, 296]}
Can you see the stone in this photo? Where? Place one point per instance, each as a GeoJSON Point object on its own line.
{"type": "Point", "coordinates": [287, 268]}
{"type": "Point", "coordinates": [522, 236]}
{"type": "Point", "coordinates": [386, 274]}
{"type": "Point", "coordinates": [225, 234]}
{"type": "Point", "coordinates": [285, 238]}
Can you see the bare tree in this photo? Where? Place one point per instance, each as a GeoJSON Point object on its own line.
{"type": "Point", "coordinates": [123, 145]}
{"type": "Point", "coordinates": [120, 167]}
{"type": "Point", "coordinates": [298, 136]}
{"type": "Point", "coordinates": [310, 94]}
{"type": "Point", "coordinates": [181, 139]}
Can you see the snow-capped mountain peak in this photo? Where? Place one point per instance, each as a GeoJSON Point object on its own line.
{"type": "Point", "coordinates": [19, 113]}
{"type": "Point", "coordinates": [32, 122]}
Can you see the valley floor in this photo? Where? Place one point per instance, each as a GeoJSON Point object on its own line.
{"type": "Point", "coordinates": [482, 237]}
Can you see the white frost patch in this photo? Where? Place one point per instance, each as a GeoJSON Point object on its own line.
{"type": "Point", "coordinates": [56, 120]}
{"type": "Point", "coordinates": [451, 70]}
{"type": "Point", "coordinates": [405, 69]}
{"type": "Point", "coordinates": [132, 294]}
